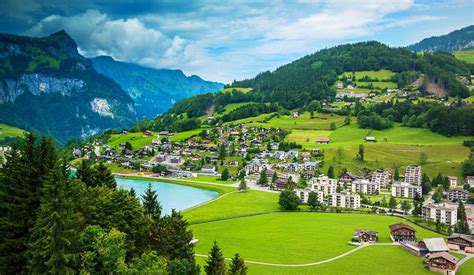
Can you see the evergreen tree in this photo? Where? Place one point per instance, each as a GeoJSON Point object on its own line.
{"type": "Point", "coordinates": [331, 172]}
{"type": "Point", "coordinates": [225, 174]}
{"type": "Point", "coordinates": [288, 200]}
{"type": "Point", "coordinates": [396, 174]}
{"type": "Point", "coordinates": [425, 184]}
{"type": "Point", "coordinates": [313, 200]}
{"type": "Point", "coordinates": [360, 155]}
{"type": "Point", "coordinates": [263, 180]}
{"type": "Point", "coordinates": [405, 206]}
{"type": "Point", "coordinates": [462, 225]}
{"type": "Point", "coordinates": [53, 245]}
{"type": "Point", "coordinates": [243, 185]}
{"type": "Point", "coordinates": [132, 192]}
{"type": "Point", "coordinates": [438, 195]}
{"type": "Point", "coordinates": [392, 203]}
{"type": "Point", "coordinates": [86, 173]}
{"type": "Point", "coordinates": [215, 264]}
{"type": "Point", "coordinates": [237, 266]}
{"type": "Point", "coordinates": [274, 177]}
{"type": "Point", "coordinates": [151, 205]}
{"type": "Point", "coordinates": [103, 176]}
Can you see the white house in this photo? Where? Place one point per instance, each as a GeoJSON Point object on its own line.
{"type": "Point", "coordinates": [453, 181]}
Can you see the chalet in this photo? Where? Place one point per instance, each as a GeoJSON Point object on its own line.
{"type": "Point", "coordinates": [306, 156]}
{"type": "Point", "coordinates": [461, 242]}
{"type": "Point", "coordinates": [293, 167]}
{"type": "Point", "coordinates": [191, 166]}
{"type": "Point", "coordinates": [322, 140]}
{"type": "Point", "coordinates": [234, 133]}
{"type": "Point", "coordinates": [316, 151]}
{"type": "Point", "coordinates": [470, 181]}
{"type": "Point", "coordinates": [292, 154]}
{"type": "Point", "coordinates": [281, 183]}
{"type": "Point", "coordinates": [432, 245]}
{"type": "Point", "coordinates": [160, 158]}
{"type": "Point", "coordinates": [370, 139]}
{"type": "Point", "coordinates": [233, 163]}
{"type": "Point", "coordinates": [128, 153]}
{"type": "Point", "coordinates": [208, 169]}
{"type": "Point", "coordinates": [309, 165]}
{"type": "Point", "coordinates": [347, 177]}
{"type": "Point", "coordinates": [121, 146]}
{"type": "Point", "coordinates": [441, 262]}
{"type": "Point", "coordinates": [279, 155]}
{"type": "Point", "coordinates": [453, 181]}
{"type": "Point", "coordinates": [364, 236]}
{"type": "Point", "coordinates": [164, 133]}
{"type": "Point", "coordinates": [147, 133]}
{"type": "Point", "coordinates": [401, 232]}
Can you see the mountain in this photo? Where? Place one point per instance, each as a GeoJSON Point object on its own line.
{"type": "Point", "coordinates": [458, 40]}
{"type": "Point", "coordinates": [48, 87]}
{"type": "Point", "coordinates": [153, 90]}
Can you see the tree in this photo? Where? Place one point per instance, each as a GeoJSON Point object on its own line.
{"type": "Point", "coordinates": [392, 203]}
{"type": "Point", "coordinates": [438, 195]}
{"type": "Point", "coordinates": [417, 203]}
{"type": "Point", "coordinates": [425, 184]}
{"type": "Point", "coordinates": [128, 146]}
{"type": "Point", "coordinates": [149, 263]}
{"type": "Point", "coordinates": [462, 225]}
{"type": "Point", "coordinates": [302, 183]}
{"type": "Point", "coordinates": [396, 174]}
{"type": "Point", "coordinates": [183, 266]}
{"type": "Point", "coordinates": [347, 120]}
{"type": "Point", "coordinates": [222, 153]}
{"type": "Point", "coordinates": [103, 176]}
{"type": "Point", "coordinates": [331, 172]}
{"type": "Point", "coordinates": [243, 185]}
{"type": "Point", "coordinates": [54, 238]}
{"type": "Point", "coordinates": [360, 155]}
{"type": "Point", "coordinates": [332, 126]}
{"type": "Point", "coordinates": [151, 205]}
{"type": "Point", "coordinates": [225, 174]}
{"type": "Point", "coordinates": [423, 158]}
{"type": "Point", "coordinates": [288, 200]}
{"type": "Point", "coordinates": [274, 177]}
{"type": "Point", "coordinates": [215, 264]}
{"type": "Point", "coordinates": [160, 168]}
{"type": "Point", "coordinates": [468, 167]}
{"type": "Point", "coordinates": [405, 206]}
{"type": "Point", "coordinates": [263, 180]}
{"type": "Point", "coordinates": [313, 200]}
{"type": "Point", "coordinates": [237, 266]}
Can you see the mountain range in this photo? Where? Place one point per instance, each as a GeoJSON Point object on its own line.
{"type": "Point", "coordinates": [458, 40]}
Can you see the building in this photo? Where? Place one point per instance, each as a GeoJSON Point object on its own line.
{"type": "Point", "coordinates": [256, 166]}
{"type": "Point", "coordinates": [365, 236]}
{"type": "Point", "coordinates": [344, 200]}
{"type": "Point", "coordinates": [309, 165]}
{"type": "Point", "coordinates": [365, 187]}
{"type": "Point", "coordinates": [405, 190]}
{"type": "Point", "coordinates": [322, 140]}
{"type": "Point", "coordinates": [457, 194]}
{"type": "Point", "coordinates": [432, 245]}
{"type": "Point", "coordinates": [441, 262]}
{"type": "Point", "coordinates": [303, 194]}
{"type": "Point", "coordinates": [470, 216]}
{"type": "Point", "coordinates": [381, 177]}
{"type": "Point", "coordinates": [413, 175]}
{"type": "Point", "coordinates": [453, 181]}
{"type": "Point", "coordinates": [461, 242]}
{"type": "Point", "coordinates": [323, 184]}
{"type": "Point", "coordinates": [470, 181]}
{"type": "Point", "coordinates": [208, 169]}
{"type": "Point", "coordinates": [445, 212]}
{"type": "Point", "coordinates": [401, 232]}
{"type": "Point", "coordinates": [370, 139]}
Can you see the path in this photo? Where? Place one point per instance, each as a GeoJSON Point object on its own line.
{"type": "Point", "coordinates": [314, 263]}
{"type": "Point", "coordinates": [467, 257]}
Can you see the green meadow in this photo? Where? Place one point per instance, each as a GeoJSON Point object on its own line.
{"type": "Point", "coordinates": [467, 56]}
{"type": "Point", "coordinates": [7, 131]}
{"type": "Point", "coordinates": [467, 268]}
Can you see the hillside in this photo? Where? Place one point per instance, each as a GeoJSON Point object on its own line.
{"type": "Point", "coordinates": [9, 133]}
{"type": "Point", "coordinates": [153, 90]}
{"type": "Point", "coordinates": [48, 87]}
{"type": "Point", "coordinates": [458, 40]}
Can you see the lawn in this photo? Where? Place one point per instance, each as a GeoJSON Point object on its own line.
{"type": "Point", "coordinates": [136, 139]}
{"type": "Point", "coordinates": [9, 131]}
{"type": "Point", "coordinates": [467, 268]}
{"type": "Point", "coordinates": [380, 75]}
{"type": "Point", "coordinates": [213, 179]}
{"type": "Point", "coordinates": [304, 237]}
{"type": "Point", "coordinates": [467, 56]}
{"type": "Point", "coordinates": [237, 204]}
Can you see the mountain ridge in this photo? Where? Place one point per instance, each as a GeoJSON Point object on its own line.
{"type": "Point", "coordinates": [458, 40]}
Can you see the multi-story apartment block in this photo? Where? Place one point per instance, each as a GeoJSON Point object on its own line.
{"type": "Point", "coordinates": [405, 190]}
{"type": "Point", "coordinates": [365, 186]}
{"type": "Point", "coordinates": [323, 184]}
{"type": "Point", "coordinates": [413, 175]}
{"type": "Point", "coordinates": [303, 194]}
{"type": "Point", "coordinates": [444, 212]}
{"type": "Point", "coordinates": [457, 194]}
{"type": "Point", "coordinates": [344, 200]}
{"type": "Point", "coordinates": [381, 177]}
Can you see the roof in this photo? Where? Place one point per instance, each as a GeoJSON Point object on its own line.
{"type": "Point", "coordinates": [435, 244]}
{"type": "Point", "coordinates": [400, 225]}
{"type": "Point", "coordinates": [444, 255]}
{"type": "Point", "coordinates": [322, 139]}
{"type": "Point", "coordinates": [464, 237]}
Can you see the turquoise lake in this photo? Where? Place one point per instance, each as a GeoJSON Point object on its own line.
{"type": "Point", "coordinates": [170, 195]}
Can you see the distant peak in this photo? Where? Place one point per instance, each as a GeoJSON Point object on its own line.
{"type": "Point", "coordinates": [61, 33]}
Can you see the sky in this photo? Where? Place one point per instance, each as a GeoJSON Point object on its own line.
{"type": "Point", "coordinates": [229, 40]}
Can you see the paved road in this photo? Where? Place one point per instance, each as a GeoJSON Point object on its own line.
{"type": "Point", "coordinates": [314, 263]}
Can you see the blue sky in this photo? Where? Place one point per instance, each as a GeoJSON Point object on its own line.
{"type": "Point", "coordinates": [227, 40]}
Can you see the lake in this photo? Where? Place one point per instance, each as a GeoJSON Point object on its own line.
{"type": "Point", "coordinates": [170, 195]}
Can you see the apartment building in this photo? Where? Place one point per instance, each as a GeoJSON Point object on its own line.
{"type": "Point", "coordinates": [344, 200]}
{"type": "Point", "coordinates": [444, 212]}
{"type": "Point", "coordinates": [365, 187]}
{"type": "Point", "coordinates": [323, 184]}
{"type": "Point", "coordinates": [413, 175]}
{"type": "Point", "coordinates": [381, 177]}
{"type": "Point", "coordinates": [405, 190]}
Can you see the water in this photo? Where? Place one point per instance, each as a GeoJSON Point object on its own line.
{"type": "Point", "coordinates": [170, 195]}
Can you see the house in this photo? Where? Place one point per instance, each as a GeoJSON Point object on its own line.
{"type": "Point", "coordinates": [365, 236]}
{"type": "Point", "coordinates": [281, 183]}
{"type": "Point", "coordinates": [441, 262]}
{"type": "Point", "coordinates": [322, 140]}
{"type": "Point", "coordinates": [445, 213]}
{"type": "Point", "coordinates": [251, 180]}
{"type": "Point", "coordinates": [453, 181]}
{"type": "Point", "coordinates": [461, 242]}
{"type": "Point", "coordinates": [280, 155]}
{"type": "Point", "coordinates": [470, 216]}
{"type": "Point", "coordinates": [347, 177]}
{"type": "Point", "coordinates": [470, 181]}
{"type": "Point", "coordinates": [296, 115]}
{"type": "Point", "coordinates": [76, 152]}
{"type": "Point", "coordinates": [293, 167]}
{"type": "Point", "coordinates": [365, 187]}
{"type": "Point", "coordinates": [339, 85]}
{"type": "Point", "coordinates": [316, 151]}
{"type": "Point", "coordinates": [457, 194]}
{"type": "Point", "coordinates": [208, 169]}
{"type": "Point", "coordinates": [432, 245]}
{"type": "Point", "coordinates": [401, 232]}
{"type": "Point", "coordinates": [310, 165]}
{"type": "Point", "coordinates": [370, 139]}
{"type": "Point", "coordinates": [233, 163]}
{"type": "Point", "coordinates": [405, 190]}
{"type": "Point", "coordinates": [413, 175]}
{"type": "Point", "coordinates": [164, 133]}
{"type": "Point", "coordinates": [344, 200]}
{"type": "Point", "coordinates": [292, 154]}
{"type": "Point", "coordinates": [274, 145]}
{"type": "Point", "coordinates": [147, 133]}
{"type": "Point", "coordinates": [175, 159]}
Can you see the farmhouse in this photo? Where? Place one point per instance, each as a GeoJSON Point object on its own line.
{"type": "Point", "coordinates": [457, 194]}
{"type": "Point", "coordinates": [445, 213]}
{"type": "Point", "coordinates": [432, 245]}
{"type": "Point", "coordinates": [147, 133]}
{"type": "Point", "coordinates": [441, 262]}
{"type": "Point", "coordinates": [405, 190]}
{"type": "Point", "coordinates": [322, 140]}
{"type": "Point", "coordinates": [401, 232]}
{"type": "Point", "coordinates": [364, 236]}
{"type": "Point", "coordinates": [461, 242]}
{"type": "Point", "coordinates": [370, 139]}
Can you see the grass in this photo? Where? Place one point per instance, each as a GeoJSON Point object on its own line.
{"type": "Point", "coordinates": [234, 205]}
{"type": "Point", "coordinates": [7, 131]}
{"type": "Point", "coordinates": [243, 90]}
{"type": "Point", "coordinates": [304, 237]}
{"type": "Point", "coordinates": [467, 56]}
{"type": "Point", "coordinates": [380, 75]}
{"type": "Point", "coordinates": [321, 121]}
{"type": "Point", "coordinates": [213, 179]}
{"type": "Point", "coordinates": [136, 139]}
{"type": "Point", "coordinates": [182, 136]}
{"type": "Point", "coordinates": [467, 268]}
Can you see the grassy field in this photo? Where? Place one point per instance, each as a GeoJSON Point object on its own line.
{"type": "Point", "coordinates": [9, 131]}
{"type": "Point", "coordinates": [467, 268]}
{"type": "Point", "coordinates": [243, 90]}
{"type": "Point", "coordinates": [213, 179]}
{"type": "Point", "coordinates": [305, 237]}
{"type": "Point", "coordinates": [401, 145]}
{"type": "Point", "coordinates": [380, 75]}
{"type": "Point", "coordinates": [467, 56]}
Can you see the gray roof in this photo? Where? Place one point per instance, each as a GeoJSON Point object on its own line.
{"type": "Point", "coordinates": [435, 244]}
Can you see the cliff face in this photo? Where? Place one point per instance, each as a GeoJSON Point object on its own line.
{"type": "Point", "coordinates": [153, 90]}
{"type": "Point", "coordinates": [48, 87]}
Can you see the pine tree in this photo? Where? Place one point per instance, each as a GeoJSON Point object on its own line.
{"type": "Point", "coordinates": [53, 245]}
{"type": "Point", "coordinates": [103, 176]}
{"type": "Point", "coordinates": [215, 264]}
{"type": "Point", "coordinates": [132, 192]}
{"type": "Point", "coordinates": [360, 155]}
{"type": "Point", "coordinates": [86, 174]}
{"type": "Point", "coordinates": [243, 185]}
{"type": "Point", "coordinates": [313, 200]}
{"type": "Point", "coordinates": [392, 203]}
{"type": "Point", "coordinates": [396, 174]}
{"type": "Point", "coordinates": [274, 177]}
{"type": "Point", "coordinates": [462, 225]}
{"type": "Point", "coordinates": [151, 205]}
{"type": "Point", "coordinates": [331, 172]}
{"type": "Point", "coordinates": [225, 174]}
{"type": "Point", "coordinates": [237, 266]}
{"type": "Point", "coordinates": [263, 180]}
